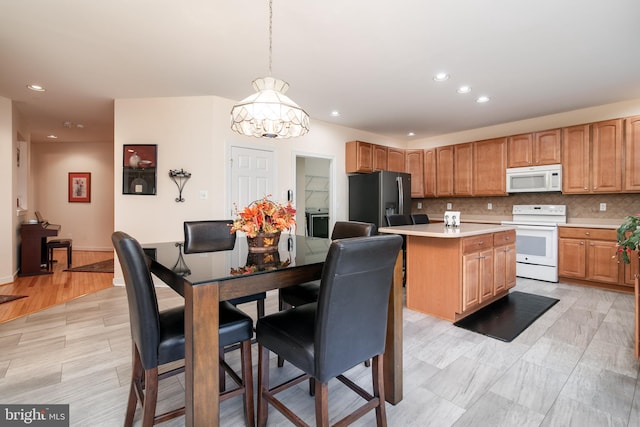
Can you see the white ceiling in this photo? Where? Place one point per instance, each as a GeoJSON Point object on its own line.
{"type": "Point", "coordinates": [373, 60]}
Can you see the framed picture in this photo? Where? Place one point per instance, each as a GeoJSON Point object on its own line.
{"type": "Point", "coordinates": [139, 169]}
{"type": "Point", "coordinates": [80, 187]}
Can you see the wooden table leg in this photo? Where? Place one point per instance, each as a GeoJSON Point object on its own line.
{"type": "Point", "coordinates": [201, 355]}
{"type": "Point", "coordinates": [393, 349]}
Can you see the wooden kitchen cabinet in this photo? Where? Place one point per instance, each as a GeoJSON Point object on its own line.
{"type": "Point", "coordinates": [379, 157]}
{"type": "Point", "coordinates": [489, 167]}
{"type": "Point", "coordinates": [588, 255]}
{"type": "Point", "coordinates": [444, 167]}
{"type": "Point", "coordinates": [632, 154]}
{"type": "Point", "coordinates": [463, 169]}
{"type": "Point", "coordinates": [535, 149]}
{"type": "Point", "coordinates": [430, 171]}
{"type": "Point", "coordinates": [630, 271]}
{"type": "Point", "coordinates": [592, 158]}
{"type": "Point", "coordinates": [415, 167]}
{"type": "Point", "coordinates": [395, 159]}
{"type": "Point", "coordinates": [504, 261]}
{"type": "Point", "coordinates": [477, 278]}
{"type": "Point", "coordinates": [359, 157]}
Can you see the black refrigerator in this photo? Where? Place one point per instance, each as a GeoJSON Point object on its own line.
{"type": "Point", "coordinates": [374, 195]}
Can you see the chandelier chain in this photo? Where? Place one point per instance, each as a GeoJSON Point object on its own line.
{"type": "Point", "coordinates": [270, 33]}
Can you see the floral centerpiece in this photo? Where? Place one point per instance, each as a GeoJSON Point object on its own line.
{"type": "Point", "coordinates": [628, 237]}
{"type": "Point", "coordinates": [263, 221]}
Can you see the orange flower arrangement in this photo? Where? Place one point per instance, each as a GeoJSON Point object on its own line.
{"type": "Point", "coordinates": [264, 216]}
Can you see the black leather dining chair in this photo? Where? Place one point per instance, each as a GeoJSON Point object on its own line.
{"type": "Point", "coordinates": [419, 218]}
{"type": "Point", "coordinates": [158, 339]}
{"type": "Point", "coordinates": [398, 219]}
{"type": "Point", "coordinates": [213, 236]}
{"type": "Point", "coordinates": [327, 338]}
{"type": "Point", "coordinates": [293, 296]}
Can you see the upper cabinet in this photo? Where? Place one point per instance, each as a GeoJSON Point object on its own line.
{"type": "Point", "coordinates": [359, 157]}
{"type": "Point", "coordinates": [444, 168]}
{"type": "Point", "coordinates": [415, 166]}
{"type": "Point", "coordinates": [592, 158]}
{"type": "Point", "coordinates": [632, 154]}
{"type": "Point", "coordinates": [489, 167]}
{"type": "Point", "coordinates": [395, 159]}
{"type": "Point", "coordinates": [463, 169]}
{"type": "Point", "coordinates": [379, 157]}
{"type": "Point", "coordinates": [535, 149]}
{"type": "Point", "coordinates": [430, 172]}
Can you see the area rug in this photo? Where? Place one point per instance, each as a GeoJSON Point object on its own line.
{"type": "Point", "coordinates": [507, 317]}
{"type": "Point", "coordinates": [97, 267]}
{"type": "Point", "coordinates": [8, 298]}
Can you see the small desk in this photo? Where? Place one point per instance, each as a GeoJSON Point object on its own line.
{"type": "Point", "coordinates": [205, 279]}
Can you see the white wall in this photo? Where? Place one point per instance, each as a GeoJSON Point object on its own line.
{"type": "Point", "coordinates": [7, 175]}
{"type": "Point", "coordinates": [88, 224]}
{"type": "Point", "coordinates": [570, 118]}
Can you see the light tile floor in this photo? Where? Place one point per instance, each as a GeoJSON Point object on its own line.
{"type": "Point", "coordinates": [573, 367]}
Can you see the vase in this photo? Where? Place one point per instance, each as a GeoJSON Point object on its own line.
{"type": "Point", "coordinates": [264, 242]}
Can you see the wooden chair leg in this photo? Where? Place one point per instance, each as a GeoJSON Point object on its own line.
{"type": "Point", "coordinates": [260, 304]}
{"type": "Point", "coordinates": [263, 385]}
{"type": "Point", "coordinates": [322, 404]}
{"type": "Point", "coordinates": [221, 372]}
{"type": "Point", "coordinates": [378, 390]}
{"type": "Point", "coordinates": [136, 377]}
{"type": "Point", "coordinates": [247, 382]}
{"type": "Point", "coordinates": [150, 397]}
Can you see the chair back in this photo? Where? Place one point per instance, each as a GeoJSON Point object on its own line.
{"type": "Point", "coordinates": [208, 236]}
{"type": "Point", "coordinates": [347, 229]}
{"type": "Point", "coordinates": [351, 319]}
{"type": "Point", "coordinates": [398, 219]}
{"type": "Point", "coordinates": [144, 315]}
{"type": "Point", "coordinates": [420, 218]}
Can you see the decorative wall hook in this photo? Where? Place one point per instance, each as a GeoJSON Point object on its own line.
{"type": "Point", "coordinates": [180, 177]}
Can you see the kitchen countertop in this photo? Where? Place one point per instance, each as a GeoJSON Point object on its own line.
{"type": "Point", "coordinates": [440, 231]}
{"type": "Point", "coordinates": [607, 223]}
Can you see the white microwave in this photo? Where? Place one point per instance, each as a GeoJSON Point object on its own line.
{"type": "Point", "coordinates": [534, 179]}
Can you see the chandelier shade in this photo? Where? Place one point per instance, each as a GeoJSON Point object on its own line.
{"type": "Point", "coordinates": [269, 113]}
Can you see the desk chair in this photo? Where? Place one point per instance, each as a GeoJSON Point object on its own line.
{"type": "Point", "coordinates": [327, 338]}
{"type": "Point", "coordinates": [419, 219]}
{"type": "Point", "coordinates": [213, 236]}
{"type": "Point", "coordinates": [158, 339]}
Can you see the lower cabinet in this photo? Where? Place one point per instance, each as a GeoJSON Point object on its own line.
{"type": "Point", "coordinates": [477, 278]}
{"type": "Point", "coordinates": [504, 261]}
{"type": "Point", "coordinates": [588, 255]}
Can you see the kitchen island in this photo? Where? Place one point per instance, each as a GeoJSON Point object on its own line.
{"type": "Point", "coordinates": [453, 272]}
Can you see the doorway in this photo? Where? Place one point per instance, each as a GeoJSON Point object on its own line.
{"type": "Point", "coordinates": [313, 195]}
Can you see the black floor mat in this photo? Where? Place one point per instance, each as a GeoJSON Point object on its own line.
{"type": "Point", "coordinates": [506, 318]}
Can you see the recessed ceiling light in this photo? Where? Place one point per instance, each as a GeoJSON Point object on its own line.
{"type": "Point", "coordinates": [482, 99]}
{"type": "Point", "coordinates": [440, 77]}
{"type": "Point", "coordinates": [464, 89]}
{"type": "Point", "coordinates": [36, 88]}
{"type": "Point", "coordinates": [411, 134]}
{"type": "Point", "coordinates": [52, 136]}
{"type": "Point", "coordinates": [335, 113]}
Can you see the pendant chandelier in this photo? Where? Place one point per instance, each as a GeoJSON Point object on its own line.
{"type": "Point", "coordinates": [269, 113]}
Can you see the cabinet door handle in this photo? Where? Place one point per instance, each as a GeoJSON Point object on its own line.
{"type": "Point", "coordinates": [587, 234]}
{"type": "Point", "coordinates": [581, 243]}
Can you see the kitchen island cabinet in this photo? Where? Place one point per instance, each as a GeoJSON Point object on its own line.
{"type": "Point", "coordinates": [451, 273]}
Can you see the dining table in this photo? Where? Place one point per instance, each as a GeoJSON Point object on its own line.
{"type": "Point", "coordinates": [205, 279]}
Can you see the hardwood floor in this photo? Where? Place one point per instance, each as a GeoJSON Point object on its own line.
{"type": "Point", "coordinates": [574, 366]}
{"type": "Point", "coordinates": [52, 289]}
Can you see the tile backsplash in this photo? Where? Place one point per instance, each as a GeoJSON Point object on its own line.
{"type": "Point", "coordinates": [578, 206]}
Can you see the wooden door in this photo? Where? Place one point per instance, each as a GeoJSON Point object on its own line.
{"type": "Point", "coordinates": [547, 147]}
{"type": "Point", "coordinates": [379, 157]}
{"type": "Point", "coordinates": [572, 258]}
{"type": "Point", "coordinates": [463, 169]}
{"type": "Point", "coordinates": [504, 262]}
{"type": "Point", "coordinates": [444, 166]}
{"type": "Point", "coordinates": [601, 266]}
{"type": "Point", "coordinates": [575, 159]}
{"type": "Point", "coordinates": [486, 275]}
{"type": "Point", "coordinates": [430, 172]}
{"type": "Point", "coordinates": [415, 166]}
{"type": "Point", "coordinates": [489, 167]}
{"type": "Point", "coordinates": [606, 152]}
{"type": "Point", "coordinates": [395, 159]}
{"type": "Point", "coordinates": [470, 280]}
{"type": "Point", "coordinates": [520, 150]}
{"type": "Point", "coordinates": [632, 154]}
